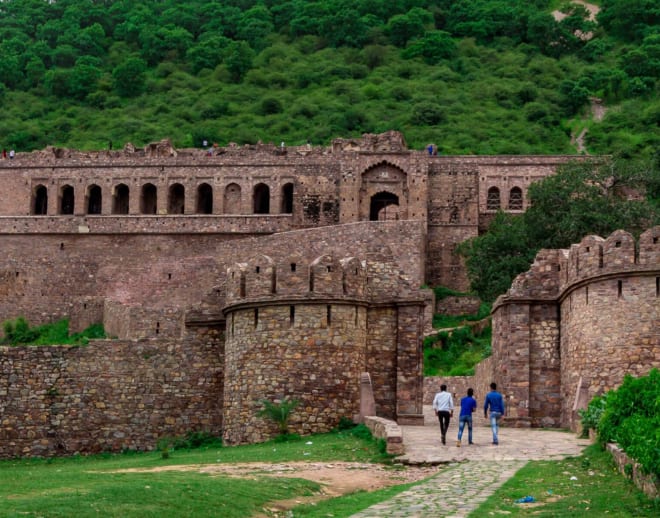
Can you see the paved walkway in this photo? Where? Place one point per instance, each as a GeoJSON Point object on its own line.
{"type": "Point", "coordinates": [469, 474]}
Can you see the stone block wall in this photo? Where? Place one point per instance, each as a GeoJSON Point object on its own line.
{"type": "Point", "coordinates": [575, 323]}
{"type": "Point", "coordinates": [458, 306]}
{"type": "Point", "coordinates": [313, 353]}
{"type": "Point", "coordinates": [109, 395]}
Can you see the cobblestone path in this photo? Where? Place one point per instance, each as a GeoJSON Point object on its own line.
{"type": "Point", "coordinates": [454, 492]}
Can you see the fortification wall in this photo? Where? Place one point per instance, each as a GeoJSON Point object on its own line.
{"type": "Point", "coordinates": [610, 315]}
{"type": "Point", "coordinates": [313, 353]}
{"type": "Point", "coordinates": [575, 323]}
{"type": "Point", "coordinates": [69, 275]}
{"type": "Point", "coordinates": [109, 395]}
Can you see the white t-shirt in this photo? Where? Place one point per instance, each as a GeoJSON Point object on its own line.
{"type": "Point", "coordinates": [443, 401]}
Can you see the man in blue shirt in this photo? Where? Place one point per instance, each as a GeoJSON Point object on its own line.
{"type": "Point", "coordinates": [495, 402]}
{"type": "Point", "coordinates": [468, 405]}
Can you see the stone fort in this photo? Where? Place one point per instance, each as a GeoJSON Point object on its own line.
{"type": "Point", "coordinates": [241, 273]}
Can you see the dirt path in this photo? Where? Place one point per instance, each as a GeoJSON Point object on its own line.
{"type": "Point", "coordinates": [336, 478]}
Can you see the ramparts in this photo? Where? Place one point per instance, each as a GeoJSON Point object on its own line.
{"type": "Point", "coordinates": [248, 273]}
{"type": "Point", "coordinates": [575, 323]}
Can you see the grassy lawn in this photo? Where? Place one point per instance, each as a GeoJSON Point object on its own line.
{"type": "Point", "coordinates": [91, 486]}
{"type": "Point", "coordinates": [588, 485]}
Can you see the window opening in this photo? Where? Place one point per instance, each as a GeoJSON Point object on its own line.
{"type": "Point", "coordinates": [176, 199]}
{"type": "Point", "coordinates": [493, 199]}
{"type": "Point", "coordinates": [204, 199]}
{"type": "Point", "coordinates": [41, 201]}
{"type": "Point", "coordinates": [261, 199]}
{"type": "Point", "coordinates": [515, 199]}
{"type": "Point", "coordinates": [120, 199]}
{"type": "Point", "coordinates": [68, 200]}
{"type": "Point", "coordinates": [149, 200]}
{"type": "Point", "coordinates": [287, 198]}
{"type": "Point", "coordinates": [94, 197]}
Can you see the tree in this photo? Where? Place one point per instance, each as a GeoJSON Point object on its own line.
{"type": "Point", "coordinates": [401, 28]}
{"type": "Point", "coordinates": [129, 76]}
{"type": "Point", "coordinates": [433, 47]}
{"type": "Point", "coordinates": [587, 197]}
{"type": "Point", "coordinates": [238, 59]}
{"type": "Point", "coordinates": [494, 259]}
{"type": "Point", "coordinates": [590, 197]}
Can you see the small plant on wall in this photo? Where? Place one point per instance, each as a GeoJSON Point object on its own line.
{"type": "Point", "coordinates": [280, 413]}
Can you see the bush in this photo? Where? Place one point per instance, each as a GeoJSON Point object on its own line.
{"type": "Point", "coordinates": [631, 418]}
{"type": "Point", "coordinates": [19, 332]}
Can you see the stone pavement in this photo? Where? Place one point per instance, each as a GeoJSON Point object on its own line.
{"type": "Point", "coordinates": [469, 474]}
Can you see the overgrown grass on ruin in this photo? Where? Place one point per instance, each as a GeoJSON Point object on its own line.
{"type": "Point", "coordinates": [586, 485]}
{"type": "Point", "coordinates": [128, 484]}
{"type": "Point", "coordinates": [19, 332]}
{"type": "Point", "coordinates": [455, 353]}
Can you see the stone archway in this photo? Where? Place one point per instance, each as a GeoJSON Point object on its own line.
{"type": "Point", "coordinates": [380, 203]}
{"type": "Point", "coordinates": [383, 185]}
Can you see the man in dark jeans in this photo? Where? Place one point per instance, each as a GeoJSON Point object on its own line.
{"type": "Point", "coordinates": [443, 404]}
{"type": "Point", "coordinates": [495, 401]}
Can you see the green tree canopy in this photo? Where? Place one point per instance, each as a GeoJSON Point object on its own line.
{"type": "Point", "coordinates": [585, 197]}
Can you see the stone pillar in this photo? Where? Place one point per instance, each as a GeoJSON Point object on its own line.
{"type": "Point", "coordinates": [410, 386]}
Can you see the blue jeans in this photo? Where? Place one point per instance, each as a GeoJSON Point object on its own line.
{"type": "Point", "coordinates": [462, 420]}
{"type": "Point", "coordinates": [494, 420]}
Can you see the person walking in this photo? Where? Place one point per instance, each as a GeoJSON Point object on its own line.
{"type": "Point", "coordinates": [468, 406]}
{"type": "Point", "coordinates": [495, 402]}
{"type": "Point", "coordinates": [443, 404]}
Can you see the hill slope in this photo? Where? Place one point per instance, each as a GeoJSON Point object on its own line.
{"type": "Point", "coordinates": [472, 76]}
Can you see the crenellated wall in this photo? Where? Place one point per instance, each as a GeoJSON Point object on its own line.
{"type": "Point", "coordinates": [307, 330]}
{"type": "Point", "coordinates": [575, 323]}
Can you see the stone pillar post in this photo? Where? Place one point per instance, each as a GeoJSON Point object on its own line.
{"type": "Point", "coordinates": [409, 376]}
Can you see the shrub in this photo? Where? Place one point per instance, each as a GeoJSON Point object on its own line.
{"type": "Point", "coordinates": [19, 332]}
{"type": "Point", "coordinates": [590, 416]}
{"type": "Point", "coordinates": [631, 418]}
{"type": "Point", "coordinates": [279, 412]}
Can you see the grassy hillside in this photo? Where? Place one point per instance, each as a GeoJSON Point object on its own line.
{"type": "Point", "coordinates": [472, 76]}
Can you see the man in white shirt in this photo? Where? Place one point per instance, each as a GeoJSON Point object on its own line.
{"type": "Point", "coordinates": [443, 405]}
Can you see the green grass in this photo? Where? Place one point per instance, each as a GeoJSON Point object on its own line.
{"type": "Point", "coordinates": [19, 332]}
{"type": "Point", "coordinates": [597, 490]}
{"type": "Point", "coordinates": [91, 486]}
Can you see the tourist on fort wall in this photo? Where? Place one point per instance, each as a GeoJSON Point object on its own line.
{"type": "Point", "coordinates": [495, 402]}
{"type": "Point", "coordinates": [468, 406]}
{"type": "Point", "coordinates": [11, 154]}
{"type": "Point", "coordinates": [443, 404]}
{"type": "Point", "coordinates": [4, 153]}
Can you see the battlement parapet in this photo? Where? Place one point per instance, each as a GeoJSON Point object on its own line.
{"type": "Point", "coordinates": [296, 279]}
{"type": "Point", "coordinates": [555, 271]}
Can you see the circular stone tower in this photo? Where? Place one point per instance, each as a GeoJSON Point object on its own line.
{"type": "Point", "coordinates": [295, 330]}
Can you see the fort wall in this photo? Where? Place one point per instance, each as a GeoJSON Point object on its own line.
{"type": "Point", "coordinates": [565, 330]}
{"type": "Point", "coordinates": [255, 272]}
{"type": "Point", "coordinates": [109, 395]}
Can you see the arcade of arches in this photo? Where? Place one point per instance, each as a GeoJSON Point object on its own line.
{"type": "Point", "coordinates": [233, 202]}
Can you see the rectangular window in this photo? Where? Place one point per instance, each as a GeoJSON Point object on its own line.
{"type": "Point", "coordinates": [619, 289]}
{"type": "Point", "coordinates": [586, 295]}
{"type": "Point", "coordinates": [292, 315]}
{"type": "Point", "coordinates": [256, 317]}
{"type": "Point", "coordinates": [328, 311]}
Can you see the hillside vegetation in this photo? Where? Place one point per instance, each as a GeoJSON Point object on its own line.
{"type": "Point", "coordinates": [472, 76]}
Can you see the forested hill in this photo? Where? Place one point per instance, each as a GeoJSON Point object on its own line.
{"type": "Point", "coordinates": [472, 76]}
